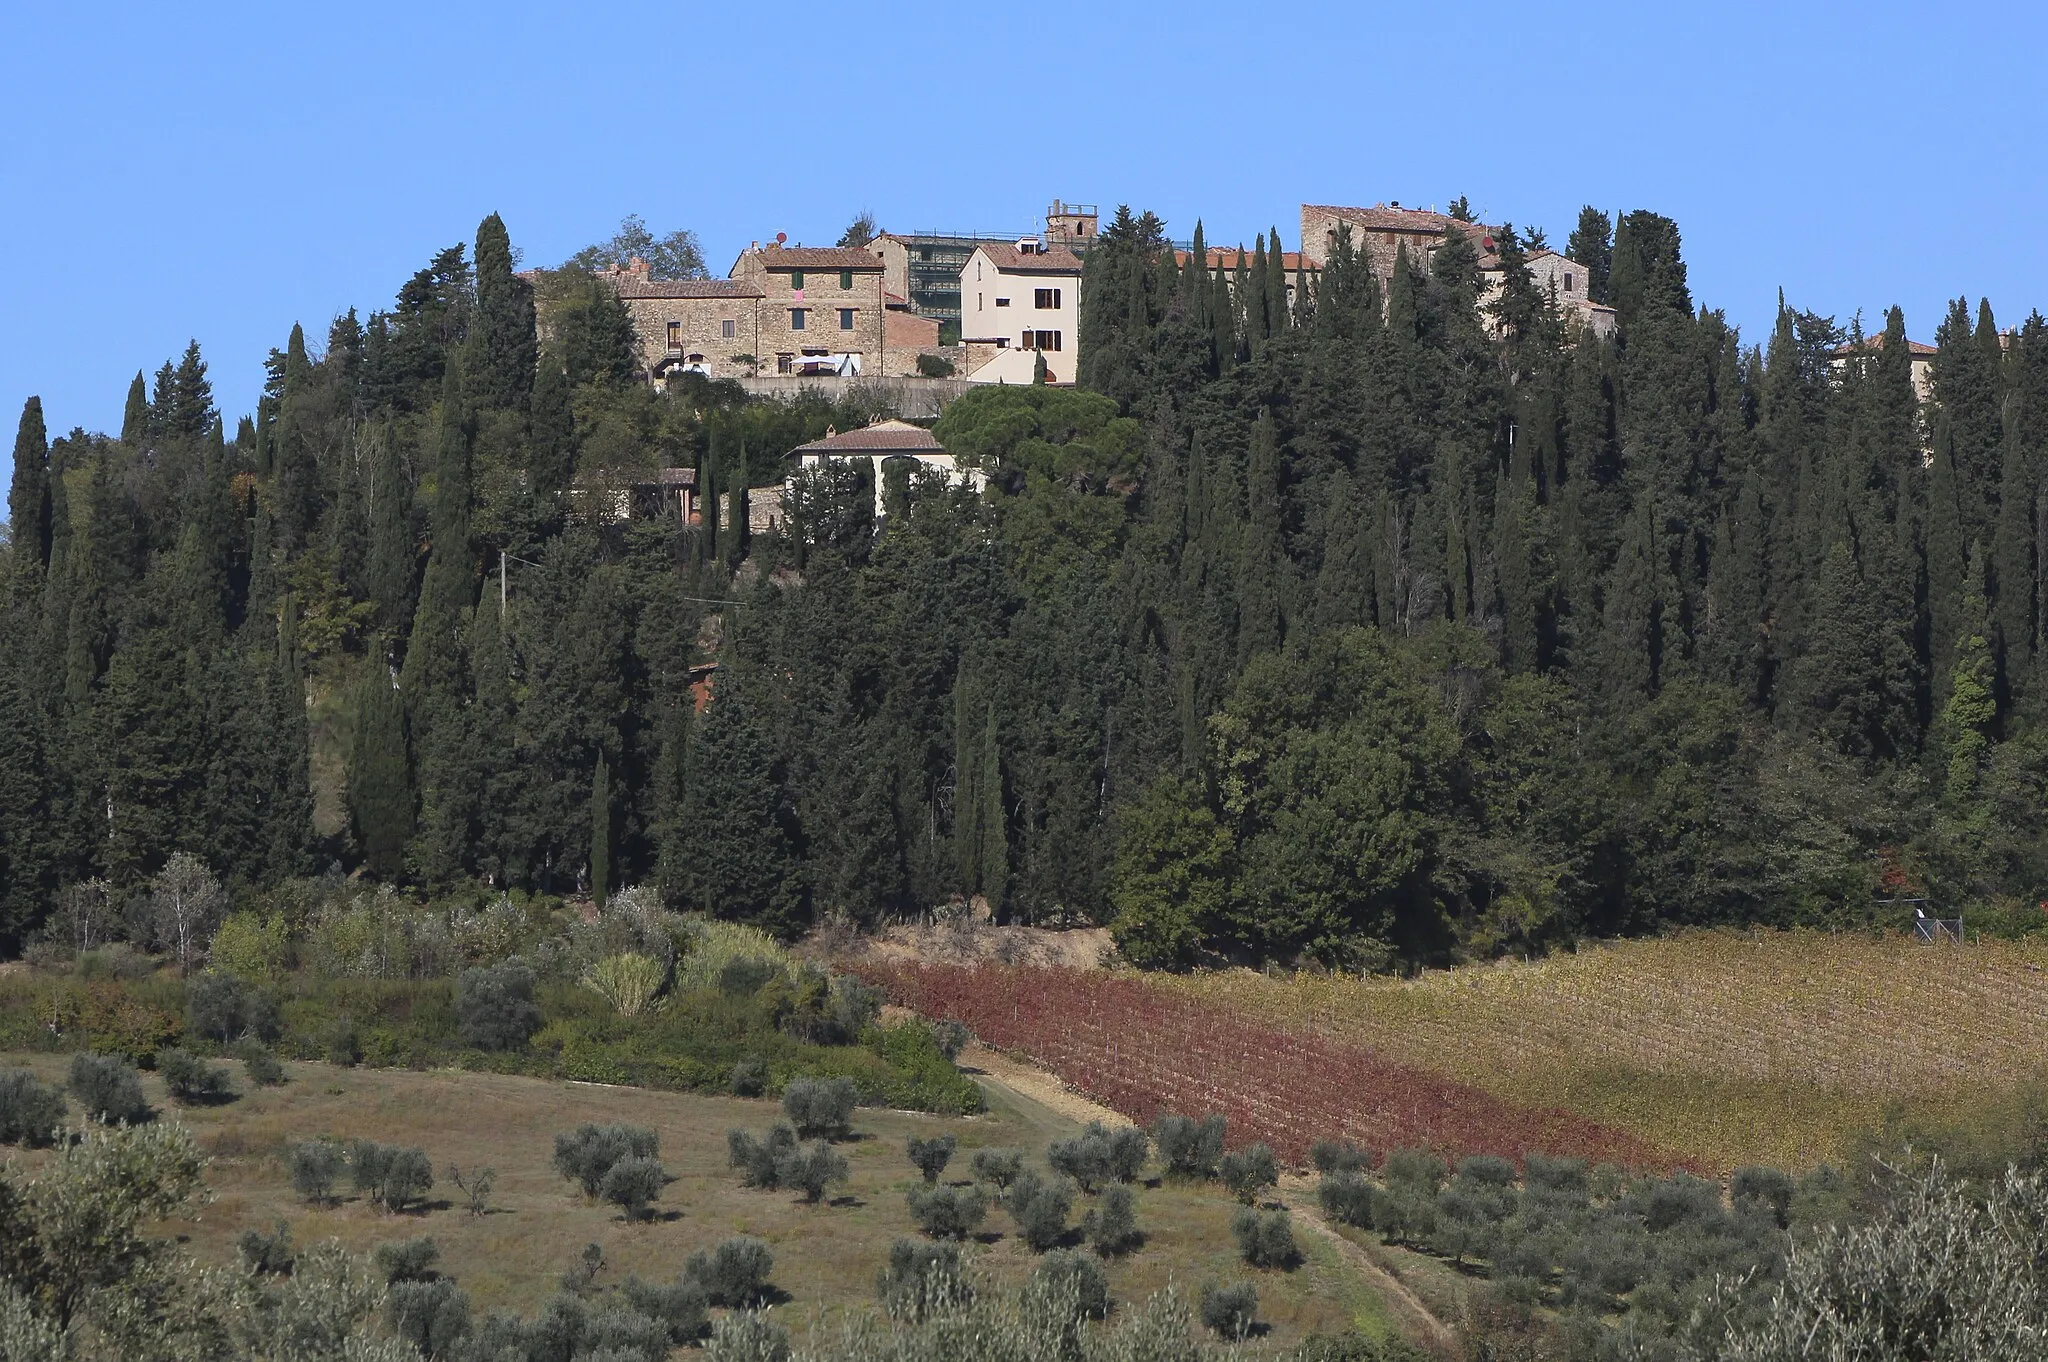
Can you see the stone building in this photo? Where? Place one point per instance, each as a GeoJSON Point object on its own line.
{"type": "Point", "coordinates": [1024, 297]}
{"type": "Point", "coordinates": [821, 308]}
{"type": "Point", "coordinates": [879, 444]}
{"type": "Point", "coordinates": [706, 326]}
{"type": "Point", "coordinates": [1559, 277]}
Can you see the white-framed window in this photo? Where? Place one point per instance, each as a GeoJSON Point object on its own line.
{"type": "Point", "coordinates": [728, 329]}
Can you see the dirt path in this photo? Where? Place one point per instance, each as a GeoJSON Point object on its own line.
{"type": "Point", "coordinates": [1298, 1193]}
{"type": "Point", "coordinates": [1416, 1320]}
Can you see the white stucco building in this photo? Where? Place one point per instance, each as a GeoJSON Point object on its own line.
{"type": "Point", "coordinates": [879, 443]}
{"type": "Point", "coordinates": [1025, 299]}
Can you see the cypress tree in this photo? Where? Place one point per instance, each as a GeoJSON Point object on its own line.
{"type": "Point", "coordinates": [191, 414]}
{"type": "Point", "coordinates": [1632, 635]}
{"type": "Point", "coordinates": [600, 831]}
{"type": "Point", "coordinates": [1591, 247]}
{"type": "Point", "coordinates": [1262, 614]}
{"type": "Point", "coordinates": [290, 806]}
{"type": "Point", "coordinates": [299, 493]}
{"type": "Point", "coordinates": [994, 819]}
{"type": "Point", "coordinates": [1945, 561]}
{"type": "Point", "coordinates": [1277, 318]}
{"type": "Point", "coordinates": [554, 433]}
{"type": "Point", "coordinates": [29, 502]}
{"type": "Point", "coordinates": [2012, 570]}
{"type": "Point", "coordinates": [1401, 314]}
{"type": "Point", "coordinates": [969, 844]}
{"type": "Point", "coordinates": [135, 416]}
{"type": "Point", "coordinates": [501, 335]}
{"type": "Point", "coordinates": [379, 781]}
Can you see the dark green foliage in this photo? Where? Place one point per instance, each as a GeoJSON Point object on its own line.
{"type": "Point", "coordinates": [821, 1108]}
{"type": "Point", "coordinates": [749, 1078]}
{"type": "Point", "coordinates": [1111, 1226]}
{"type": "Point", "coordinates": [1189, 1148]}
{"type": "Point", "coordinates": [495, 1007]}
{"type": "Point", "coordinates": [1040, 1207]}
{"type": "Point", "coordinates": [922, 1278]}
{"type": "Point", "coordinates": [732, 1273]}
{"type": "Point", "coordinates": [392, 1176]}
{"type": "Point", "coordinates": [931, 1155]}
{"type": "Point", "coordinates": [1339, 1156]}
{"type": "Point", "coordinates": [269, 1254]}
{"type": "Point", "coordinates": [811, 1169]}
{"type": "Point", "coordinates": [999, 1168]}
{"type": "Point", "coordinates": [316, 1166]}
{"type": "Point", "coordinates": [1347, 1198]}
{"type": "Point", "coordinates": [586, 1154]}
{"type": "Point", "coordinates": [342, 1044]}
{"type": "Point", "coordinates": [1265, 1238]}
{"type": "Point", "coordinates": [223, 1008]}
{"type": "Point", "coordinates": [1250, 1171]}
{"type": "Point", "coordinates": [408, 1260]}
{"type": "Point", "coordinates": [1069, 1274]}
{"type": "Point", "coordinates": [1099, 1156]}
{"type": "Point", "coordinates": [30, 1110]}
{"type": "Point", "coordinates": [432, 1316]}
{"type": "Point", "coordinates": [191, 1079]}
{"type": "Point", "coordinates": [108, 1089]}
{"type": "Point", "coordinates": [262, 1066]}
{"type": "Point", "coordinates": [761, 1159]}
{"type": "Point", "coordinates": [1230, 1312]}
{"type": "Point", "coordinates": [952, 1036]}
{"type": "Point", "coordinates": [680, 1306]}
{"type": "Point", "coordinates": [947, 1212]}
{"type": "Point", "coordinates": [1765, 1190]}
{"type": "Point", "coordinates": [632, 1184]}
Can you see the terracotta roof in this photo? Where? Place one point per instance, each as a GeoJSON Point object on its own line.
{"type": "Point", "coordinates": [820, 258]}
{"type": "Point", "coordinates": [883, 437]}
{"type": "Point", "coordinates": [1054, 259]}
{"type": "Point", "coordinates": [1225, 258]}
{"type": "Point", "coordinates": [632, 286]}
{"type": "Point", "coordinates": [1916, 349]}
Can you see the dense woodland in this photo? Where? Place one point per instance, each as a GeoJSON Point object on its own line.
{"type": "Point", "coordinates": [1367, 630]}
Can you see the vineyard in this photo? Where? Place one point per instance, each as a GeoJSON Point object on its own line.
{"type": "Point", "coordinates": [1144, 1051]}
{"type": "Point", "coordinates": [1731, 1046]}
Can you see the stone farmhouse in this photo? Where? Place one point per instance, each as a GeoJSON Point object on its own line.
{"type": "Point", "coordinates": [880, 444]}
{"type": "Point", "coordinates": [1379, 233]}
{"type": "Point", "coordinates": [1023, 298]}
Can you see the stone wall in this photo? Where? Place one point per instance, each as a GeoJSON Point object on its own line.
{"type": "Point", "coordinates": [700, 330]}
{"type": "Point", "coordinates": [822, 300]}
{"type": "Point", "coordinates": [915, 399]}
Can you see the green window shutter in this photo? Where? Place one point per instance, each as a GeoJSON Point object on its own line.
{"type": "Point", "coordinates": [846, 278]}
{"type": "Point", "coordinates": [796, 279]}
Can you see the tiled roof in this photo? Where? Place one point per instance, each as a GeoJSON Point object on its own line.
{"type": "Point", "coordinates": [820, 258]}
{"type": "Point", "coordinates": [1916, 349]}
{"type": "Point", "coordinates": [1054, 259]}
{"type": "Point", "coordinates": [631, 286]}
{"type": "Point", "coordinates": [1225, 258]}
{"type": "Point", "coordinates": [883, 437]}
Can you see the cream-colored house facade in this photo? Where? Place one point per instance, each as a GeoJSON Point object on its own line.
{"type": "Point", "coordinates": [877, 445]}
{"type": "Point", "coordinates": [1023, 297]}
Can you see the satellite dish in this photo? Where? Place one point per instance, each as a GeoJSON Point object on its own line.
{"type": "Point", "coordinates": [781, 237]}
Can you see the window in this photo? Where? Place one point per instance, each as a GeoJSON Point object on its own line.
{"type": "Point", "coordinates": [1567, 281]}
{"type": "Point", "coordinates": [796, 318]}
{"type": "Point", "coordinates": [675, 335]}
{"type": "Point", "coordinates": [796, 280]}
{"type": "Point", "coordinates": [1041, 340]}
{"type": "Point", "coordinates": [784, 363]}
{"type": "Point", "coordinates": [1002, 302]}
{"type": "Point", "coordinates": [728, 329]}
{"type": "Point", "coordinates": [846, 318]}
{"type": "Point", "coordinates": [846, 279]}
{"type": "Point", "coordinates": [1047, 298]}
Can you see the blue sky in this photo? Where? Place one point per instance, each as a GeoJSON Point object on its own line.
{"type": "Point", "coordinates": [218, 171]}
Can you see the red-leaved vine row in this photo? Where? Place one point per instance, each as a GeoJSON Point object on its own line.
{"type": "Point", "coordinates": [1143, 1053]}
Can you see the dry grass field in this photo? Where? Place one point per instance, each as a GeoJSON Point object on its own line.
{"type": "Point", "coordinates": [826, 1256]}
{"type": "Point", "coordinates": [1730, 1047]}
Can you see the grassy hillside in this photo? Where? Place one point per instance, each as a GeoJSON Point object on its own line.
{"type": "Point", "coordinates": [1732, 1047]}
{"type": "Point", "coordinates": [826, 1256]}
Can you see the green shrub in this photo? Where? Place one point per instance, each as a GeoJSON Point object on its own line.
{"type": "Point", "coordinates": [1099, 1155]}
{"type": "Point", "coordinates": [585, 1154]}
{"type": "Point", "coordinates": [1339, 1156]}
{"type": "Point", "coordinates": [1250, 1171]}
{"type": "Point", "coordinates": [632, 1184]}
{"type": "Point", "coordinates": [494, 1006]}
{"type": "Point", "coordinates": [680, 1307]}
{"type": "Point", "coordinates": [1265, 1238]}
{"type": "Point", "coordinates": [221, 1007]}
{"type": "Point", "coordinates": [734, 1273]}
{"type": "Point", "coordinates": [761, 1161]}
{"type": "Point", "coordinates": [1069, 1274]}
{"type": "Point", "coordinates": [821, 1109]}
{"type": "Point", "coordinates": [998, 1168]}
{"type": "Point", "coordinates": [262, 1066]}
{"type": "Point", "coordinates": [922, 1279]}
{"type": "Point", "coordinates": [269, 1254]}
{"type": "Point", "coordinates": [30, 1111]}
{"type": "Point", "coordinates": [393, 1176]}
{"type": "Point", "coordinates": [192, 1079]}
{"type": "Point", "coordinates": [747, 1337]}
{"type": "Point", "coordinates": [432, 1316]}
{"type": "Point", "coordinates": [930, 1156]}
{"type": "Point", "coordinates": [315, 1165]}
{"type": "Point", "coordinates": [749, 1077]}
{"type": "Point", "coordinates": [1347, 1198]}
{"type": "Point", "coordinates": [1112, 1226]}
{"type": "Point", "coordinates": [1040, 1208]}
{"type": "Point", "coordinates": [108, 1089]}
{"type": "Point", "coordinates": [948, 1212]}
{"type": "Point", "coordinates": [1763, 1189]}
{"type": "Point", "coordinates": [952, 1037]}
{"type": "Point", "coordinates": [811, 1169]}
{"type": "Point", "coordinates": [934, 366]}
{"type": "Point", "coordinates": [408, 1260]}
{"type": "Point", "coordinates": [1189, 1148]}
{"type": "Point", "coordinates": [1231, 1312]}
{"type": "Point", "coordinates": [342, 1042]}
